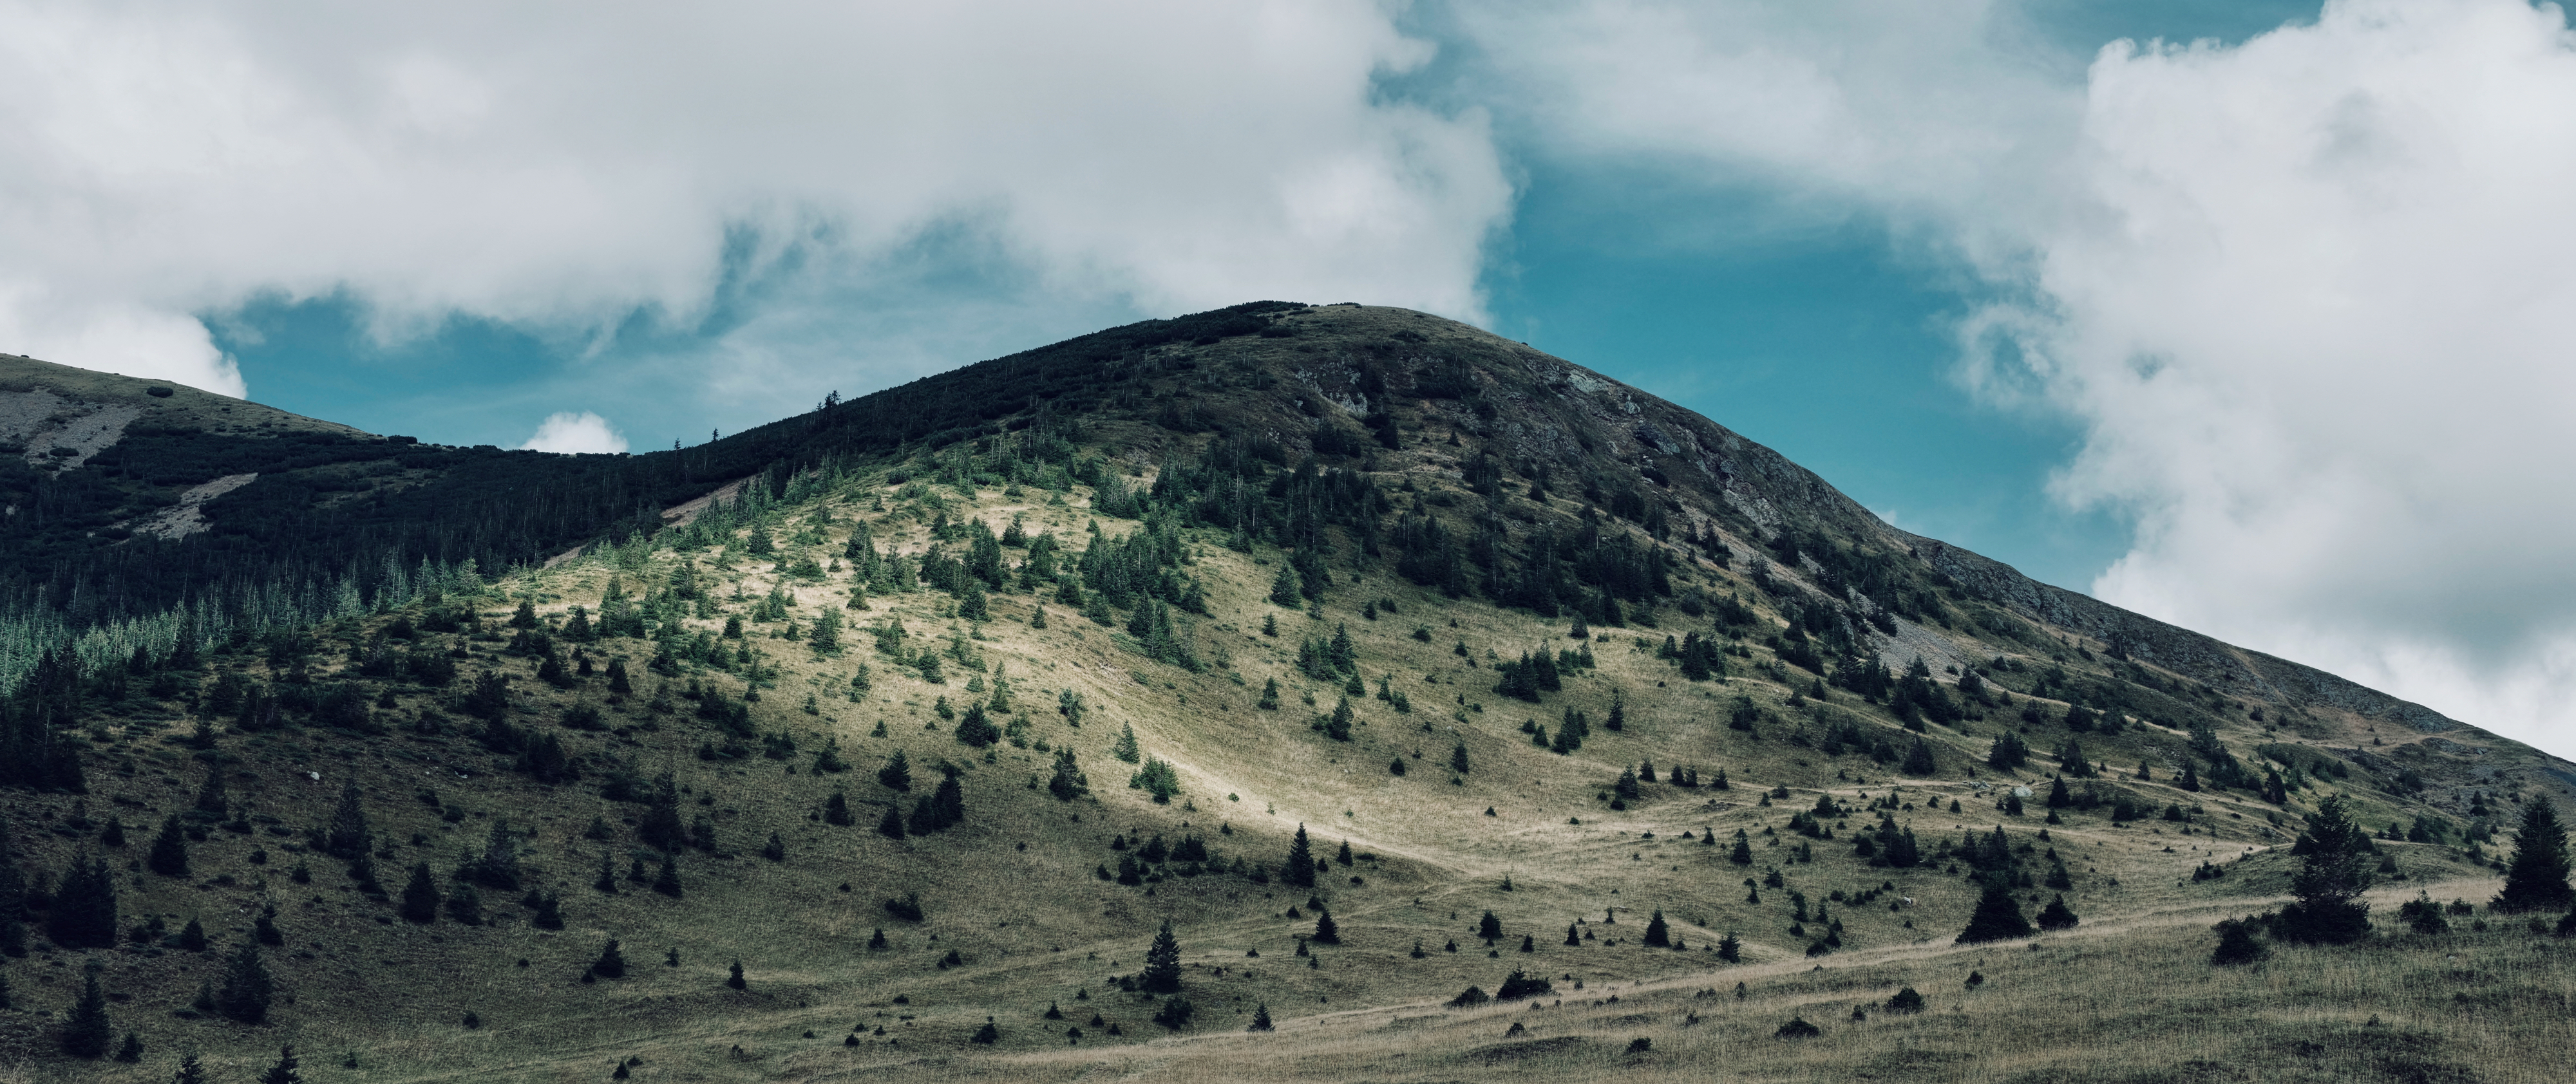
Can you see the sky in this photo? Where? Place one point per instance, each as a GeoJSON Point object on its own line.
{"type": "Point", "coordinates": [2244, 315]}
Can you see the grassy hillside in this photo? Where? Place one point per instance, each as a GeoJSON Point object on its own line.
{"type": "Point", "coordinates": [1021, 907]}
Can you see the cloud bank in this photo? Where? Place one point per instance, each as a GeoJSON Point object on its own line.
{"type": "Point", "coordinates": [575, 432]}
{"type": "Point", "coordinates": [565, 167]}
{"type": "Point", "coordinates": [2306, 293]}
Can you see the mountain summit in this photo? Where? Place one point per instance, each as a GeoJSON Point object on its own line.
{"type": "Point", "coordinates": [1266, 677]}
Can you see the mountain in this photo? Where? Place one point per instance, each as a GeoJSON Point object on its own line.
{"type": "Point", "coordinates": [436, 725]}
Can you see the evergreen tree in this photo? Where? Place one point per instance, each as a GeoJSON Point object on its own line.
{"type": "Point", "coordinates": [1284, 588]}
{"type": "Point", "coordinates": [2058, 796]}
{"type": "Point", "coordinates": [1260, 1018]}
{"type": "Point", "coordinates": [1572, 941]}
{"type": "Point", "coordinates": [1125, 748]}
{"type": "Point", "coordinates": [420, 897]}
{"type": "Point", "coordinates": [611, 963]}
{"type": "Point", "coordinates": [1338, 727]}
{"type": "Point", "coordinates": [1458, 758]}
{"type": "Point", "coordinates": [87, 1030]}
{"type": "Point", "coordinates": [169, 854]}
{"type": "Point", "coordinates": [1489, 927]}
{"type": "Point", "coordinates": [191, 1071]}
{"type": "Point", "coordinates": [1068, 782]}
{"type": "Point", "coordinates": [2335, 872]}
{"type": "Point", "coordinates": [1299, 871]}
{"type": "Point", "coordinates": [897, 773]}
{"type": "Point", "coordinates": [1918, 762]}
{"type": "Point", "coordinates": [264, 928]}
{"type": "Point", "coordinates": [1269, 695]}
{"type": "Point", "coordinates": [1658, 935]}
{"type": "Point", "coordinates": [1730, 948]}
{"type": "Point", "coordinates": [891, 825]}
{"type": "Point", "coordinates": [775, 850]}
{"type": "Point", "coordinates": [192, 938]}
{"type": "Point", "coordinates": [347, 837]}
{"type": "Point", "coordinates": [83, 914]}
{"type": "Point", "coordinates": [2536, 878]}
{"type": "Point", "coordinates": [1162, 974]}
{"type": "Point", "coordinates": [660, 826]}
{"type": "Point", "coordinates": [549, 914]}
{"type": "Point", "coordinates": [1998, 916]}
{"type": "Point", "coordinates": [836, 809]}
{"type": "Point", "coordinates": [2057, 916]}
{"type": "Point", "coordinates": [2009, 752]}
{"type": "Point", "coordinates": [735, 979]}
{"type": "Point", "coordinates": [1327, 932]}
{"type": "Point", "coordinates": [285, 1071]}
{"type": "Point", "coordinates": [667, 882]}
{"type": "Point", "coordinates": [1742, 855]}
{"type": "Point", "coordinates": [246, 990]}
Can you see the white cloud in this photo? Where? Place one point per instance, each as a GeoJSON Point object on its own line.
{"type": "Point", "coordinates": [565, 431]}
{"type": "Point", "coordinates": [2317, 326]}
{"type": "Point", "coordinates": [2307, 294]}
{"type": "Point", "coordinates": [559, 167]}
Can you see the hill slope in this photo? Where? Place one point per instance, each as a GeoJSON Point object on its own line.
{"type": "Point", "coordinates": [1525, 627]}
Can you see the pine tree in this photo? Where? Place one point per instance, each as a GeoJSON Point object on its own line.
{"type": "Point", "coordinates": [660, 826]}
{"type": "Point", "coordinates": [192, 938]}
{"type": "Point", "coordinates": [191, 1071]}
{"type": "Point", "coordinates": [1284, 588]}
{"type": "Point", "coordinates": [897, 773]}
{"type": "Point", "coordinates": [1300, 868]}
{"type": "Point", "coordinates": [1458, 758]}
{"type": "Point", "coordinates": [420, 897]}
{"type": "Point", "coordinates": [169, 854]}
{"type": "Point", "coordinates": [836, 809]}
{"type": "Point", "coordinates": [891, 825]}
{"type": "Point", "coordinates": [1918, 762]}
{"type": "Point", "coordinates": [735, 979]}
{"type": "Point", "coordinates": [285, 1072]}
{"type": "Point", "coordinates": [1742, 855]}
{"type": "Point", "coordinates": [264, 928]}
{"type": "Point", "coordinates": [2335, 872]}
{"type": "Point", "coordinates": [1998, 917]}
{"type": "Point", "coordinates": [83, 914]}
{"type": "Point", "coordinates": [1162, 974]}
{"type": "Point", "coordinates": [87, 1030]}
{"type": "Point", "coordinates": [2536, 879]}
{"type": "Point", "coordinates": [667, 882]}
{"type": "Point", "coordinates": [1269, 695]}
{"type": "Point", "coordinates": [1260, 1018]}
{"type": "Point", "coordinates": [1327, 932]}
{"type": "Point", "coordinates": [775, 850]}
{"type": "Point", "coordinates": [1730, 948]}
{"type": "Point", "coordinates": [1125, 748]}
{"type": "Point", "coordinates": [1658, 935]}
{"type": "Point", "coordinates": [246, 990]}
{"type": "Point", "coordinates": [1489, 927]}
{"type": "Point", "coordinates": [611, 963]}
{"type": "Point", "coordinates": [348, 837]}
{"type": "Point", "coordinates": [2057, 916]}
{"type": "Point", "coordinates": [1068, 782]}
{"type": "Point", "coordinates": [1571, 940]}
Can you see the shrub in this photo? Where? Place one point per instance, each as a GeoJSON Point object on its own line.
{"type": "Point", "coordinates": [1519, 985]}
{"type": "Point", "coordinates": [1797, 1028]}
